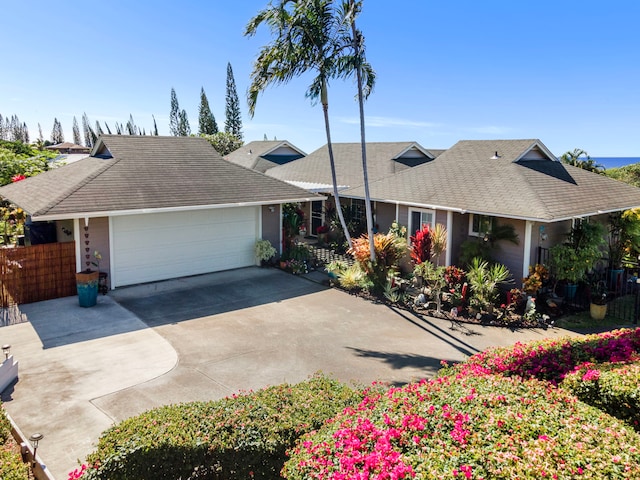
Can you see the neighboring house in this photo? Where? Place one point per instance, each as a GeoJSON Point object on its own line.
{"type": "Point", "coordinates": [478, 182]}
{"type": "Point", "coordinates": [264, 155]}
{"type": "Point", "coordinates": [313, 172]}
{"type": "Point", "coordinates": [157, 207]}
{"type": "Point", "coordinates": [69, 148]}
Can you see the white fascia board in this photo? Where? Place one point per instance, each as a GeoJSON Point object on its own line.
{"type": "Point", "coordinates": [284, 143]}
{"type": "Point", "coordinates": [142, 211]}
{"type": "Point", "coordinates": [419, 147]}
{"type": "Point", "coordinates": [542, 147]}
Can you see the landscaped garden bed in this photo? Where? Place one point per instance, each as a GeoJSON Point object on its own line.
{"type": "Point", "coordinates": [544, 409]}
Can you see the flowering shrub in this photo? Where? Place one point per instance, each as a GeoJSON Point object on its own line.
{"type": "Point", "coordinates": [612, 387]}
{"type": "Point", "coordinates": [241, 437]}
{"type": "Point", "coordinates": [553, 359]}
{"type": "Point", "coordinates": [11, 466]}
{"type": "Point", "coordinates": [477, 426]}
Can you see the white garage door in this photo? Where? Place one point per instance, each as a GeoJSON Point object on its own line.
{"type": "Point", "coordinates": [159, 246]}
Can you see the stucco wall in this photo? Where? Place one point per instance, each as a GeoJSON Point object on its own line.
{"type": "Point", "coordinates": [98, 241]}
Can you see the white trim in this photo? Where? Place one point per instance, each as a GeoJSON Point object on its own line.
{"type": "Point", "coordinates": [418, 147]}
{"type": "Point", "coordinates": [526, 261]}
{"type": "Point", "coordinates": [112, 265]}
{"type": "Point", "coordinates": [283, 143]}
{"type": "Point", "coordinates": [397, 212]}
{"type": "Point", "coordinates": [542, 147]}
{"type": "Point", "coordinates": [472, 232]}
{"type": "Point", "coordinates": [449, 238]}
{"type": "Point", "coordinates": [77, 238]}
{"type": "Point", "coordinates": [144, 211]}
{"type": "Point", "coordinates": [412, 228]}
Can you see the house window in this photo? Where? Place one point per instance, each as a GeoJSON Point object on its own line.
{"type": "Point", "coordinates": [358, 210]}
{"type": "Point", "coordinates": [420, 218]}
{"type": "Point", "coordinates": [479, 225]}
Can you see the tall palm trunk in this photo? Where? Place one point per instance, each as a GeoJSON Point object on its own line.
{"type": "Point", "coordinates": [363, 143]}
{"type": "Point", "coordinates": [324, 98]}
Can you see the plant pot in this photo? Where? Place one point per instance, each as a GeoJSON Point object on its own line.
{"type": "Point", "coordinates": [570, 290]}
{"type": "Point", "coordinates": [87, 287]}
{"type": "Point", "coordinates": [598, 312]}
{"type": "Point", "coordinates": [614, 279]}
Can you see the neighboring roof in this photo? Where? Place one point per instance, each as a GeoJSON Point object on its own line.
{"type": "Point", "coordinates": [139, 174]}
{"type": "Point", "coordinates": [263, 155]}
{"type": "Point", "coordinates": [69, 148]}
{"type": "Point", "coordinates": [383, 159]}
{"type": "Point", "coordinates": [526, 182]}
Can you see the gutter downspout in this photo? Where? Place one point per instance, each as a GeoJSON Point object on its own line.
{"type": "Point", "coordinates": [526, 260]}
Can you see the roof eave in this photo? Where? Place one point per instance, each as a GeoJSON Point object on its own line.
{"type": "Point", "coordinates": [141, 211]}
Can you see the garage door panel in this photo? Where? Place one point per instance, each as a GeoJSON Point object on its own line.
{"type": "Point", "coordinates": [168, 245]}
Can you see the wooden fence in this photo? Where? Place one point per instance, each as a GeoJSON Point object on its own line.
{"type": "Point", "coordinates": [36, 273]}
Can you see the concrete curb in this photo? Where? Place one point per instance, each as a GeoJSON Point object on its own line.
{"type": "Point", "coordinates": [40, 472]}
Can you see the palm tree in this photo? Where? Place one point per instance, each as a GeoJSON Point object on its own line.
{"type": "Point", "coordinates": [365, 85]}
{"type": "Point", "coordinates": [587, 163]}
{"type": "Point", "coordinates": [308, 35]}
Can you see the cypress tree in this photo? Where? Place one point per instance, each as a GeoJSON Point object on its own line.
{"type": "Point", "coordinates": [106, 125]}
{"type": "Point", "coordinates": [76, 132]}
{"type": "Point", "coordinates": [206, 121]}
{"type": "Point", "coordinates": [2, 129]}
{"type": "Point", "coordinates": [155, 126]}
{"type": "Point", "coordinates": [25, 133]}
{"type": "Point", "coordinates": [90, 136]}
{"type": "Point", "coordinates": [233, 121]}
{"type": "Point", "coordinates": [98, 130]}
{"type": "Point", "coordinates": [57, 135]}
{"type": "Point", "coordinates": [40, 135]}
{"type": "Point", "coordinates": [174, 114]}
{"type": "Point", "coordinates": [184, 130]}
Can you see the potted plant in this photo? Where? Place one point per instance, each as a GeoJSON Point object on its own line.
{"type": "Point", "coordinates": [571, 260]}
{"type": "Point", "coordinates": [323, 233]}
{"type": "Point", "coordinates": [598, 306]}
{"type": "Point", "coordinates": [264, 251]}
{"type": "Point", "coordinates": [87, 282]}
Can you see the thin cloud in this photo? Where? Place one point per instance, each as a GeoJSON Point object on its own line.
{"type": "Point", "coordinates": [387, 122]}
{"type": "Point", "coordinates": [490, 130]}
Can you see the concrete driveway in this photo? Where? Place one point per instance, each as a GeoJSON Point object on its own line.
{"type": "Point", "coordinates": [206, 337]}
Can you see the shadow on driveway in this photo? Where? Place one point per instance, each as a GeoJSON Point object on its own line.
{"type": "Point", "coordinates": [184, 299]}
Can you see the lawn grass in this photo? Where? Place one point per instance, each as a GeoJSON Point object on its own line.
{"type": "Point", "coordinates": [622, 306]}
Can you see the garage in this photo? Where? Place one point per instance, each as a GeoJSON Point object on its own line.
{"type": "Point", "coordinates": [159, 246]}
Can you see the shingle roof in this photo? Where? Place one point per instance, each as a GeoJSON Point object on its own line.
{"type": "Point", "coordinates": [527, 181]}
{"type": "Point", "coordinates": [256, 155]}
{"type": "Point", "coordinates": [146, 173]}
{"type": "Point", "coordinates": [382, 160]}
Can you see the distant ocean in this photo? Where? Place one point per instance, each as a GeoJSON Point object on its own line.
{"type": "Point", "coordinates": [615, 162]}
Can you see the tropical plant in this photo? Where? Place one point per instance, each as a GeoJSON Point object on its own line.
{"type": "Point", "coordinates": [484, 247]}
{"type": "Point", "coordinates": [398, 230]}
{"type": "Point", "coordinates": [438, 241]}
{"type": "Point", "coordinates": [538, 274]}
{"type": "Point", "coordinates": [365, 79]}
{"type": "Point", "coordinates": [484, 280]}
{"type": "Point", "coordinates": [572, 260]}
{"type": "Point", "coordinates": [434, 278]}
{"type": "Point", "coordinates": [352, 277]}
{"type": "Point", "coordinates": [624, 237]}
{"type": "Point", "coordinates": [420, 249]}
{"type": "Point", "coordinates": [264, 250]}
{"type": "Point", "coordinates": [389, 251]}
{"type": "Point", "coordinates": [308, 35]}
{"type": "Point", "coordinates": [581, 159]}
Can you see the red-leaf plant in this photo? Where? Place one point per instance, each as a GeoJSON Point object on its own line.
{"type": "Point", "coordinates": [421, 245]}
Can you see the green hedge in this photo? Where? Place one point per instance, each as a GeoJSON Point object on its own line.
{"type": "Point", "coordinates": [11, 466]}
{"type": "Point", "coordinates": [245, 436]}
{"type": "Point", "coordinates": [611, 387]}
{"type": "Point", "coordinates": [477, 426]}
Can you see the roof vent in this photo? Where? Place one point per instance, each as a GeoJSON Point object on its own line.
{"type": "Point", "coordinates": [495, 156]}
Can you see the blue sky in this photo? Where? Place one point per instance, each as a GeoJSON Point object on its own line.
{"type": "Point", "coordinates": [566, 72]}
